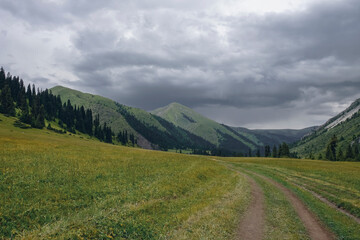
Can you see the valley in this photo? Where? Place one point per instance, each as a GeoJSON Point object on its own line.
{"type": "Point", "coordinates": [80, 166]}
{"type": "Point", "coordinates": [180, 120]}
{"type": "Point", "coordinates": [76, 187]}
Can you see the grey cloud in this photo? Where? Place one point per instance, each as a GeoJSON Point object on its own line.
{"type": "Point", "coordinates": [148, 54]}
{"type": "Point", "coordinates": [39, 13]}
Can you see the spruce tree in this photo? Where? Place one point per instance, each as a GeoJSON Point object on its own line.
{"type": "Point", "coordinates": [340, 155]}
{"type": "Point", "coordinates": [2, 78]}
{"type": "Point", "coordinates": [7, 102]}
{"type": "Point", "coordinates": [285, 152]}
{"type": "Point", "coordinates": [40, 118]}
{"type": "Point", "coordinates": [274, 152]}
{"type": "Point", "coordinates": [349, 153]}
{"type": "Point", "coordinates": [331, 149]}
{"type": "Point", "coordinates": [356, 152]}
{"type": "Point", "coordinates": [267, 151]}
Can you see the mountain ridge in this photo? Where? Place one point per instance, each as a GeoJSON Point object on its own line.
{"type": "Point", "coordinates": [189, 119]}
{"type": "Point", "coordinates": [153, 132]}
{"type": "Point", "coordinates": [177, 126]}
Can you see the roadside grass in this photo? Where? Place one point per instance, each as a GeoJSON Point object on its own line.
{"type": "Point", "coordinates": [218, 220]}
{"type": "Point", "coordinates": [57, 186]}
{"type": "Point", "coordinates": [280, 217]}
{"type": "Point", "coordinates": [338, 182]}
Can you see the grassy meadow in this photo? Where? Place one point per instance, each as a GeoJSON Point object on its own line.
{"type": "Point", "coordinates": [61, 186]}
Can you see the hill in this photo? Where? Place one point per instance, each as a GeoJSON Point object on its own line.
{"type": "Point", "coordinates": [152, 131]}
{"type": "Point", "coordinates": [345, 126]}
{"type": "Point", "coordinates": [223, 136]}
{"type": "Point", "coordinates": [218, 134]}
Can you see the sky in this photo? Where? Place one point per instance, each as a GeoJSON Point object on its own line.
{"type": "Point", "coordinates": [249, 63]}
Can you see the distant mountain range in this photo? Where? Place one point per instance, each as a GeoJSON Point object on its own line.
{"type": "Point", "coordinates": [176, 126]}
{"type": "Point", "coordinates": [223, 136]}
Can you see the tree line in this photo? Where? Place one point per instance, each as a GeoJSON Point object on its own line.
{"type": "Point", "coordinates": [335, 153]}
{"type": "Point", "coordinates": [280, 151]}
{"type": "Point", "coordinates": [33, 106]}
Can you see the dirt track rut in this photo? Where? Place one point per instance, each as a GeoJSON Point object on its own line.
{"type": "Point", "coordinates": [252, 223]}
{"type": "Point", "coordinates": [314, 227]}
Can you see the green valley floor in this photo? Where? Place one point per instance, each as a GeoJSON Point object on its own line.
{"type": "Point", "coordinates": [61, 186]}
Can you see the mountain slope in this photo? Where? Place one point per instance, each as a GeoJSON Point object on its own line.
{"type": "Point", "coordinates": [232, 138]}
{"type": "Point", "coordinates": [151, 131]}
{"type": "Point", "coordinates": [105, 107]}
{"type": "Point", "coordinates": [345, 126]}
{"type": "Point", "coordinates": [277, 136]}
{"type": "Point", "coordinates": [216, 133]}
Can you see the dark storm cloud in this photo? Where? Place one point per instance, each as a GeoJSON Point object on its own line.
{"type": "Point", "coordinates": [148, 54]}
{"type": "Point", "coordinates": [272, 60]}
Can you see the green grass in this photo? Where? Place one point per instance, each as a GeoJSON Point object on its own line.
{"type": "Point", "coordinates": [61, 186]}
{"type": "Point", "coordinates": [336, 181]}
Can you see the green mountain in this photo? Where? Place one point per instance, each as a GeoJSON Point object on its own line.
{"type": "Point", "coordinates": [176, 126]}
{"type": "Point", "coordinates": [231, 138]}
{"type": "Point", "coordinates": [105, 107]}
{"type": "Point", "coordinates": [345, 126]}
{"type": "Point", "coordinates": [220, 135]}
{"type": "Point", "coordinates": [151, 131]}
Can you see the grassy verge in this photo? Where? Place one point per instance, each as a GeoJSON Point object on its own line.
{"type": "Point", "coordinates": [59, 186]}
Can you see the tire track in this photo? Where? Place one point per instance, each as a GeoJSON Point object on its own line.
{"type": "Point", "coordinates": [329, 203]}
{"type": "Point", "coordinates": [314, 227]}
{"type": "Point", "coordinates": [252, 223]}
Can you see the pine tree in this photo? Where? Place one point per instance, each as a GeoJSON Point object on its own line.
{"type": "Point", "coordinates": [267, 151]}
{"type": "Point", "coordinates": [340, 155]}
{"type": "Point", "coordinates": [258, 153]}
{"type": "Point", "coordinates": [331, 149]}
{"type": "Point", "coordinates": [356, 152]}
{"type": "Point", "coordinates": [25, 116]}
{"type": "Point", "coordinates": [2, 78]}
{"type": "Point", "coordinates": [349, 153]}
{"type": "Point", "coordinates": [40, 118]}
{"type": "Point", "coordinates": [274, 152]}
{"type": "Point", "coordinates": [7, 102]}
{"type": "Point", "coordinates": [284, 150]}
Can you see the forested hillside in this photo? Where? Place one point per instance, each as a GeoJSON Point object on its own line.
{"type": "Point", "coordinates": [39, 109]}
{"type": "Point", "coordinates": [337, 140]}
{"type": "Point", "coordinates": [247, 141]}
{"type": "Point", "coordinates": [150, 129]}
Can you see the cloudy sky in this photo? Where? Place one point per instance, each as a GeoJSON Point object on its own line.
{"type": "Point", "coordinates": [251, 63]}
